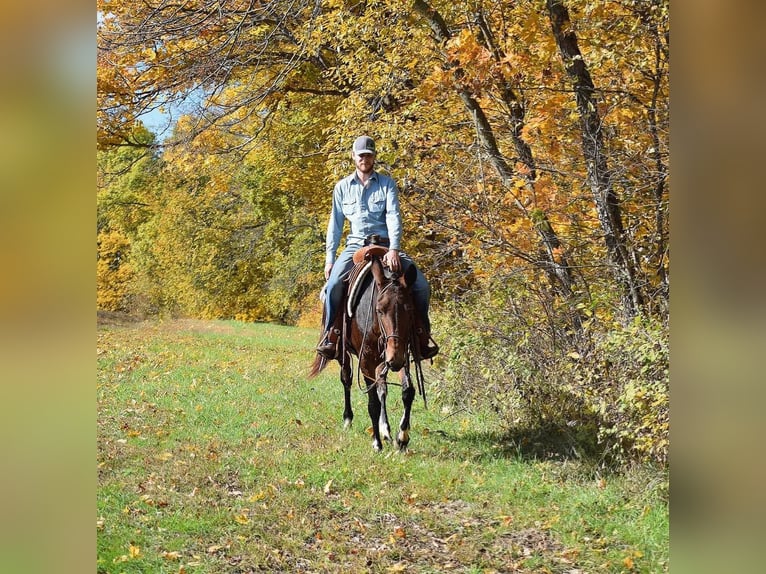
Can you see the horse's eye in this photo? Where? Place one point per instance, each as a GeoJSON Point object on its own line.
{"type": "Point", "coordinates": [379, 311]}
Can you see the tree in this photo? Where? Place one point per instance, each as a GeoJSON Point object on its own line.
{"type": "Point", "coordinates": [126, 183]}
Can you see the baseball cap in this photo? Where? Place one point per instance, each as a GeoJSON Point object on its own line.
{"type": "Point", "coordinates": [364, 144]}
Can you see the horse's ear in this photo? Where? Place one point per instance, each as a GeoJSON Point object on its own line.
{"type": "Point", "coordinates": [410, 275]}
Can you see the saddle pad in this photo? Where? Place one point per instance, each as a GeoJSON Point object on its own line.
{"type": "Point", "coordinates": [355, 279]}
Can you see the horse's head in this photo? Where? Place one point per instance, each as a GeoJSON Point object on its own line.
{"type": "Point", "coordinates": [394, 311]}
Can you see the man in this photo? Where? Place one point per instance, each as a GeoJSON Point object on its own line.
{"type": "Point", "coordinates": [370, 202]}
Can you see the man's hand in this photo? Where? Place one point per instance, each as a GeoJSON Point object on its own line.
{"type": "Point", "coordinates": [327, 269]}
{"type": "Point", "coordinates": [392, 261]}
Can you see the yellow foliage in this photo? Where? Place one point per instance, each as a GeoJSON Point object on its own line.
{"type": "Point", "coordinates": [113, 271]}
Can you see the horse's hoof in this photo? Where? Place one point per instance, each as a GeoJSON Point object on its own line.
{"type": "Point", "coordinates": [346, 424]}
{"type": "Point", "coordinates": [402, 440]}
{"type": "Point", "coordinates": [377, 447]}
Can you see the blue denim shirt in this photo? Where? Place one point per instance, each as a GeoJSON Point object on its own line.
{"type": "Point", "coordinates": [370, 209]}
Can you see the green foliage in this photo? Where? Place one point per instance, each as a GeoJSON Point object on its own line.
{"type": "Point", "coordinates": [127, 179]}
{"type": "Point", "coordinates": [625, 380]}
{"type": "Point", "coordinates": [602, 394]}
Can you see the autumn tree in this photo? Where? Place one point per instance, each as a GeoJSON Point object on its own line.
{"type": "Point", "coordinates": [126, 180]}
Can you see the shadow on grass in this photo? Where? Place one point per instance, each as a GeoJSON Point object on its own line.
{"type": "Point", "coordinates": [115, 318]}
{"type": "Point", "coordinates": [537, 444]}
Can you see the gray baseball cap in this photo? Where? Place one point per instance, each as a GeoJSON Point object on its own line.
{"type": "Point", "coordinates": [364, 144]}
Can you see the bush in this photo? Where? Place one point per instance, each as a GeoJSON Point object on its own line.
{"type": "Point", "coordinates": [603, 391]}
{"type": "Point", "coordinates": [625, 381]}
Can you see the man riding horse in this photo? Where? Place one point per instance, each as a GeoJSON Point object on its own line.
{"type": "Point", "coordinates": [370, 202]}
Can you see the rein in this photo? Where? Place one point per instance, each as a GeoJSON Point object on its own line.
{"type": "Point", "coordinates": [383, 336]}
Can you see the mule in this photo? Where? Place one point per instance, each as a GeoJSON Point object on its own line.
{"type": "Point", "coordinates": [379, 331]}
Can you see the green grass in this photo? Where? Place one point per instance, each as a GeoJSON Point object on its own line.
{"type": "Point", "coordinates": [217, 454]}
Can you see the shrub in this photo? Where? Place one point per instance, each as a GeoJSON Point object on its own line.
{"type": "Point", "coordinates": [604, 390]}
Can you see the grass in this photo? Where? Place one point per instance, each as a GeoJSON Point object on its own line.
{"type": "Point", "coordinates": [216, 454]}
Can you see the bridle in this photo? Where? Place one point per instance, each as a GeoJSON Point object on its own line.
{"type": "Point", "coordinates": [384, 337]}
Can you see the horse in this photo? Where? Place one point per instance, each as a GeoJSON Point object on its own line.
{"type": "Point", "coordinates": [380, 333]}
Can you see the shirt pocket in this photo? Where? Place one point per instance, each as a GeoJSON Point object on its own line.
{"type": "Point", "coordinates": [349, 207]}
{"type": "Point", "coordinates": [377, 202]}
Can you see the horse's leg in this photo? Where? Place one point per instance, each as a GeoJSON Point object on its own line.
{"type": "Point", "coordinates": [385, 429]}
{"type": "Point", "coordinates": [373, 408]}
{"type": "Point", "coordinates": [408, 396]}
{"type": "Point", "coordinates": [346, 377]}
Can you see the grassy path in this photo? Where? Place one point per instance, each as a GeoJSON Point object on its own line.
{"type": "Point", "coordinates": [216, 454]}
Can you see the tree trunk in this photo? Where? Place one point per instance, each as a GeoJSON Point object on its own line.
{"type": "Point", "coordinates": [598, 175]}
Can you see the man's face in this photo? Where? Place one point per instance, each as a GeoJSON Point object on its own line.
{"type": "Point", "coordinates": [364, 162]}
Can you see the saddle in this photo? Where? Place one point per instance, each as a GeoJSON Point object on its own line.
{"type": "Point", "coordinates": [367, 252]}
{"type": "Point", "coordinates": [362, 262]}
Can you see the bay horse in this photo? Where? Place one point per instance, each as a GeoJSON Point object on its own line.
{"type": "Point", "coordinates": [379, 330]}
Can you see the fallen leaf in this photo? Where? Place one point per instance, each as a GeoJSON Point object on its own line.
{"type": "Point", "coordinates": [171, 555]}
{"type": "Point", "coordinates": [328, 487]}
{"type": "Point", "coordinates": [399, 532]}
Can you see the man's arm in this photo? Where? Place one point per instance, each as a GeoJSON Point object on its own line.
{"type": "Point", "coordinates": [394, 224]}
{"type": "Point", "coordinates": [393, 216]}
{"type": "Point", "coordinates": [334, 230]}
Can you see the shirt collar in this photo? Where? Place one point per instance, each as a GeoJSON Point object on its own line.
{"type": "Point", "coordinates": [373, 177]}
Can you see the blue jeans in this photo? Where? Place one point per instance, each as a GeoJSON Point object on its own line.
{"type": "Point", "coordinates": [421, 290]}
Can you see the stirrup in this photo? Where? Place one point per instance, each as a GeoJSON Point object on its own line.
{"type": "Point", "coordinates": [427, 351]}
{"type": "Point", "coordinates": [327, 347]}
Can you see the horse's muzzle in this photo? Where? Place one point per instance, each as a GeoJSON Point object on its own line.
{"type": "Point", "coordinates": [395, 365]}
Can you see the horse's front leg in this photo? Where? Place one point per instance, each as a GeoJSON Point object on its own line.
{"type": "Point", "coordinates": [382, 388]}
{"type": "Point", "coordinates": [373, 408]}
{"type": "Point", "coordinates": [408, 396]}
{"type": "Point", "coordinates": [346, 377]}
